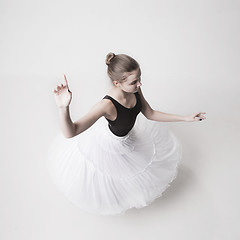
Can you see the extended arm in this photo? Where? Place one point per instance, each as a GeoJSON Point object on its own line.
{"type": "Point", "coordinates": [155, 115]}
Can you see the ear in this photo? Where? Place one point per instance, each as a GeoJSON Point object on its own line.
{"type": "Point", "coordinates": [115, 83]}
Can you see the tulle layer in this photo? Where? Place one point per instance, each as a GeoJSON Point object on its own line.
{"type": "Point", "coordinates": [105, 174]}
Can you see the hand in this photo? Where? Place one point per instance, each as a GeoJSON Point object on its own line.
{"type": "Point", "coordinates": [195, 117]}
{"type": "Point", "coordinates": [62, 94]}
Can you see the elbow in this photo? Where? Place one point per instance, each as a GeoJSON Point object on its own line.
{"type": "Point", "coordinates": [68, 136]}
{"type": "Point", "coordinates": [148, 117]}
{"type": "Point", "coordinates": [72, 133]}
{"type": "Point", "coordinates": [149, 114]}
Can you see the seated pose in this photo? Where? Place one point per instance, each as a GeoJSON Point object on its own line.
{"type": "Point", "coordinates": [107, 166]}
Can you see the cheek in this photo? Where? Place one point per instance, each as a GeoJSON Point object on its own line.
{"type": "Point", "coordinates": [133, 87]}
{"type": "Point", "coordinates": [130, 88]}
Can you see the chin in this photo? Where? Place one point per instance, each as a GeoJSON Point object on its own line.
{"type": "Point", "coordinates": [133, 91]}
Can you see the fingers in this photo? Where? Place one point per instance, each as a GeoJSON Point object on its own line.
{"type": "Point", "coordinates": [65, 80]}
{"type": "Point", "coordinates": [66, 83]}
{"type": "Point", "coordinates": [197, 118]}
{"type": "Point", "coordinates": [200, 116]}
{"type": "Point", "coordinates": [200, 113]}
{"type": "Point", "coordinates": [58, 88]}
{"type": "Point", "coordinates": [62, 86]}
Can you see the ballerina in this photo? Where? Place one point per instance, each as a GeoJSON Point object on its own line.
{"type": "Point", "coordinates": [109, 167]}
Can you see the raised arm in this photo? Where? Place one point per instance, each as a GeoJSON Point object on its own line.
{"type": "Point", "coordinates": [100, 109]}
{"type": "Point", "coordinates": [155, 115]}
{"type": "Point", "coordinates": [70, 129]}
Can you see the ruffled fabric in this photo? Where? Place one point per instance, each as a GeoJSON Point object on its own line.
{"type": "Point", "coordinates": [105, 174]}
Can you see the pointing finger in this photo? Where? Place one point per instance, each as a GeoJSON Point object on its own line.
{"type": "Point", "coordinates": [65, 80]}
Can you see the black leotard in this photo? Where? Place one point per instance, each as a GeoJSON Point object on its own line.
{"type": "Point", "coordinates": [126, 117]}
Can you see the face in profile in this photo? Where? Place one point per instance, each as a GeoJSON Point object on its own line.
{"type": "Point", "coordinates": [131, 81]}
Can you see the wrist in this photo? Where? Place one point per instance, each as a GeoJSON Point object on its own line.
{"type": "Point", "coordinates": [184, 118]}
{"type": "Point", "coordinates": [63, 109]}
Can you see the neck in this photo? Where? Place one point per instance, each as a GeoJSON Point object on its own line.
{"type": "Point", "coordinates": [121, 94]}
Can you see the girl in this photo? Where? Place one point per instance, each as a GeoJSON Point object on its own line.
{"type": "Point", "coordinates": [109, 168]}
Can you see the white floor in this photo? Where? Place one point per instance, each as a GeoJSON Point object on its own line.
{"type": "Point", "coordinates": [202, 203]}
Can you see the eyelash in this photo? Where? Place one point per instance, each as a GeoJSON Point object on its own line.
{"type": "Point", "coordinates": [133, 83]}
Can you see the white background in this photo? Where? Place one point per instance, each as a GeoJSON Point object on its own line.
{"type": "Point", "coordinates": [189, 55]}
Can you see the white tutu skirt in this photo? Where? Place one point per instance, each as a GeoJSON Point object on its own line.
{"type": "Point", "coordinates": [105, 174]}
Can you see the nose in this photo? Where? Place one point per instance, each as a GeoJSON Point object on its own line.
{"type": "Point", "coordinates": [139, 84]}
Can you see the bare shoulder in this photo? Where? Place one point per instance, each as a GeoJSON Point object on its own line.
{"type": "Point", "coordinates": [106, 103]}
{"type": "Point", "coordinates": [103, 108]}
{"type": "Point", "coordinates": [146, 108]}
{"type": "Point", "coordinates": [140, 92]}
{"type": "Point", "coordinates": [110, 111]}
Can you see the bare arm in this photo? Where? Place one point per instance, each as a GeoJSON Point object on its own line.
{"type": "Point", "coordinates": [100, 109]}
{"type": "Point", "coordinates": [63, 98]}
{"type": "Point", "coordinates": [71, 129]}
{"type": "Point", "coordinates": [155, 115]}
{"type": "Point", "coordinates": [66, 123]}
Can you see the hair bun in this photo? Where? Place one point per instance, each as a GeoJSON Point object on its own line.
{"type": "Point", "coordinates": [109, 57]}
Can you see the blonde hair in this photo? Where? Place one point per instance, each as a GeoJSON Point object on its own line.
{"type": "Point", "coordinates": [119, 64]}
